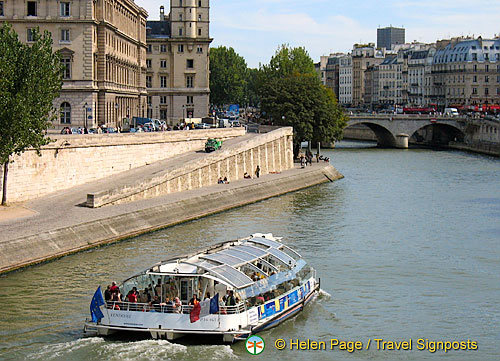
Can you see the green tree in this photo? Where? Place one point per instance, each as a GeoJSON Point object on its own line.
{"type": "Point", "coordinates": [30, 79]}
{"type": "Point", "coordinates": [252, 90]}
{"type": "Point", "coordinates": [291, 94]}
{"type": "Point", "coordinates": [228, 77]}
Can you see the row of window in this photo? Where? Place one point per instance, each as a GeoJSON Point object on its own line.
{"type": "Point", "coordinates": [164, 81]}
{"type": "Point", "coordinates": [181, 31]}
{"type": "Point", "coordinates": [163, 63]}
{"type": "Point", "coordinates": [180, 17]}
{"type": "Point", "coordinates": [180, 48]}
{"type": "Point", "coordinates": [163, 100]}
{"type": "Point", "coordinates": [32, 8]}
{"type": "Point", "coordinates": [199, 3]}
{"type": "Point", "coordinates": [65, 35]}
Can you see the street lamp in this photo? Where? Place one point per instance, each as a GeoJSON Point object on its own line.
{"type": "Point", "coordinates": [116, 113]}
{"type": "Point", "coordinates": [85, 120]}
{"type": "Point", "coordinates": [183, 108]}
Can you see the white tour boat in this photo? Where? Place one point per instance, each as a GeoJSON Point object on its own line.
{"type": "Point", "coordinates": [255, 283]}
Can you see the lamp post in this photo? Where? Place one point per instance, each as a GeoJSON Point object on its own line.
{"type": "Point", "coordinates": [183, 108]}
{"type": "Point", "coordinates": [85, 120]}
{"type": "Point", "coordinates": [116, 113]}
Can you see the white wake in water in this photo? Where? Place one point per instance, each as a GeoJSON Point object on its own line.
{"type": "Point", "coordinates": [50, 352]}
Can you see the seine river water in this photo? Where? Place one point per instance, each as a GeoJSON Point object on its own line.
{"type": "Point", "coordinates": [407, 247]}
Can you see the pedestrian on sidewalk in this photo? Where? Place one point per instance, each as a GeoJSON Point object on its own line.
{"type": "Point", "coordinates": [257, 172]}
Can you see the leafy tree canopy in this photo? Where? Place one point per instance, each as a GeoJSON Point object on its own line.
{"type": "Point", "coordinates": [30, 79]}
{"type": "Point", "coordinates": [228, 77]}
{"type": "Point", "coordinates": [291, 94]}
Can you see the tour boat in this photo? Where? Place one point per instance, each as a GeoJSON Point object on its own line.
{"type": "Point", "coordinates": [255, 283]}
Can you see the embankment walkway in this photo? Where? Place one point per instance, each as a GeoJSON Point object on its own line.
{"type": "Point", "coordinates": [59, 224]}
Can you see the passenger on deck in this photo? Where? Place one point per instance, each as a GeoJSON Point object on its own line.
{"type": "Point", "coordinates": [158, 288]}
{"type": "Point", "coordinates": [168, 305]}
{"type": "Point", "coordinates": [107, 294]}
{"type": "Point", "coordinates": [255, 277]}
{"type": "Point", "coordinates": [156, 304]}
{"type": "Point", "coordinates": [207, 296]}
{"type": "Point", "coordinates": [177, 305]}
{"type": "Point", "coordinates": [114, 288]}
{"type": "Point", "coordinates": [132, 295]}
{"type": "Point", "coordinates": [194, 301]}
{"type": "Point", "coordinates": [230, 301]}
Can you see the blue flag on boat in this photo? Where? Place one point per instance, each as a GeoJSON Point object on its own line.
{"type": "Point", "coordinates": [97, 302]}
{"type": "Point", "coordinates": [214, 304]}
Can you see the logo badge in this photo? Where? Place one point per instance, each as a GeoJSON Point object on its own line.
{"type": "Point", "coordinates": [255, 345]}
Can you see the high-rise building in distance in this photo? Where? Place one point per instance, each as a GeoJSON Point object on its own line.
{"type": "Point", "coordinates": [389, 36]}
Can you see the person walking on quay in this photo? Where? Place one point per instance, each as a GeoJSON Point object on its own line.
{"type": "Point", "coordinates": [257, 172]}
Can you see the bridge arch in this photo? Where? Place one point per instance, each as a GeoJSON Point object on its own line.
{"type": "Point", "coordinates": [437, 134]}
{"type": "Point", "coordinates": [384, 136]}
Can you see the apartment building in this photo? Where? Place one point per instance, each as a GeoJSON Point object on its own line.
{"type": "Point", "coordinates": [103, 49]}
{"type": "Point", "coordinates": [466, 72]}
{"type": "Point", "coordinates": [362, 57]}
{"type": "Point", "coordinates": [177, 76]}
{"type": "Point", "coordinates": [345, 80]}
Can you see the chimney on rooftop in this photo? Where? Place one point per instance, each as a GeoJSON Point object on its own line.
{"type": "Point", "coordinates": [162, 13]}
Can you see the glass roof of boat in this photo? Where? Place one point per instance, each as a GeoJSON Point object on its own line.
{"type": "Point", "coordinates": [237, 278]}
{"type": "Point", "coordinates": [265, 242]}
{"type": "Point", "coordinates": [230, 262]}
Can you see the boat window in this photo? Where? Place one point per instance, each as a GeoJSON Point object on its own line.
{"type": "Point", "coordinates": [265, 242]}
{"type": "Point", "coordinates": [223, 258]}
{"type": "Point", "coordinates": [246, 257]}
{"type": "Point", "coordinates": [272, 282]}
{"type": "Point", "coordinates": [235, 277]}
{"type": "Point", "coordinates": [247, 248]}
{"type": "Point", "coordinates": [281, 256]}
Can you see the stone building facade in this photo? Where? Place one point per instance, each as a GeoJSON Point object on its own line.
{"type": "Point", "coordinates": [103, 49]}
{"type": "Point", "coordinates": [466, 72]}
{"type": "Point", "coordinates": [177, 76]}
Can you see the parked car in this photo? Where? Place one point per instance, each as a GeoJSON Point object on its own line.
{"type": "Point", "coordinates": [202, 126]}
{"type": "Point", "coordinates": [212, 145]}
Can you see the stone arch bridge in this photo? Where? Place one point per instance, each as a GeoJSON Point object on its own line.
{"type": "Point", "coordinates": [396, 130]}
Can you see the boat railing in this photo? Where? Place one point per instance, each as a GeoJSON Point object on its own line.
{"type": "Point", "coordinates": [164, 308]}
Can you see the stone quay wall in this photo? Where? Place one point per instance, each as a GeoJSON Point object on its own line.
{"type": "Point", "coordinates": [71, 160]}
{"type": "Point", "coordinates": [25, 251]}
{"type": "Point", "coordinates": [272, 152]}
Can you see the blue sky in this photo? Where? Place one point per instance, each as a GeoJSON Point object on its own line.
{"type": "Point", "coordinates": [256, 28]}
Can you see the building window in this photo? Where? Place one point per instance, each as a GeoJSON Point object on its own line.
{"type": "Point", "coordinates": [65, 36]}
{"type": "Point", "coordinates": [163, 99]}
{"type": "Point", "coordinates": [65, 113]}
{"type": "Point", "coordinates": [486, 79]}
{"type": "Point", "coordinates": [29, 34]}
{"type": "Point", "coordinates": [31, 8]}
{"type": "Point", "coordinates": [199, 32]}
{"type": "Point", "coordinates": [474, 79]}
{"type": "Point", "coordinates": [163, 114]}
{"type": "Point", "coordinates": [199, 3]}
{"type": "Point", "coordinates": [149, 48]}
{"type": "Point", "coordinates": [1, 8]}
{"type": "Point", "coordinates": [180, 17]}
{"type": "Point", "coordinates": [149, 100]}
{"type": "Point", "coordinates": [474, 91]}
{"type": "Point", "coordinates": [65, 10]}
{"type": "Point", "coordinates": [163, 81]}
{"type": "Point", "coordinates": [474, 57]}
{"type": "Point", "coordinates": [199, 17]}
{"type": "Point", "coordinates": [180, 3]}
{"type": "Point", "coordinates": [199, 50]}
{"type": "Point", "coordinates": [163, 48]}
{"type": "Point", "coordinates": [190, 63]}
{"type": "Point", "coordinates": [189, 99]}
{"type": "Point", "coordinates": [180, 31]}
{"type": "Point", "coordinates": [180, 48]}
{"type": "Point", "coordinates": [163, 64]}
{"type": "Point", "coordinates": [487, 68]}
{"type": "Point", "coordinates": [148, 81]}
{"type": "Point", "coordinates": [486, 91]}
{"type": "Point", "coordinates": [66, 63]}
{"type": "Point", "coordinates": [189, 81]}
{"type": "Point", "coordinates": [148, 63]}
